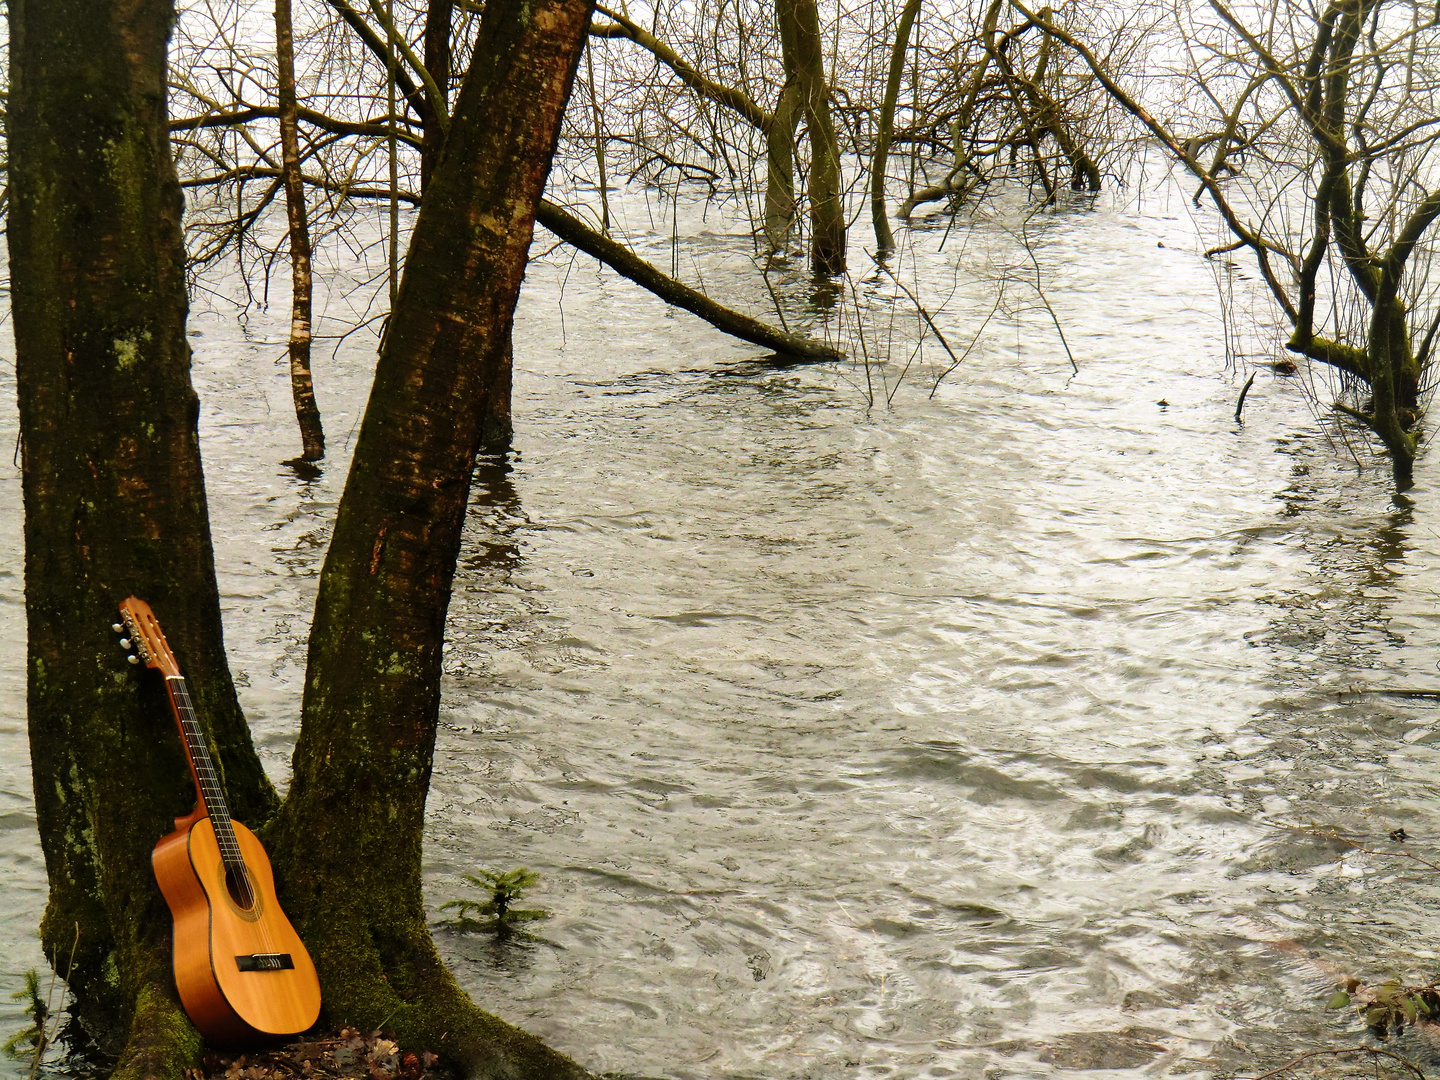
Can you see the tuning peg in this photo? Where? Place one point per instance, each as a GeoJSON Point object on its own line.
{"type": "Point", "coordinates": [125, 643]}
{"type": "Point", "coordinates": [133, 658]}
{"type": "Point", "coordinates": [117, 628]}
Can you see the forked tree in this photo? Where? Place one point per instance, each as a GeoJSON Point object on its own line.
{"type": "Point", "coordinates": [115, 504]}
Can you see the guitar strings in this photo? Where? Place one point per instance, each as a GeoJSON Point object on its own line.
{"type": "Point", "coordinates": [213, 800]}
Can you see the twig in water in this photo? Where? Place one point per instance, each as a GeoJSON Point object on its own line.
{"type": "Point", "coordinates": [1040, 292]}
{"type": "Point", "coordinates": [779, 311]}
{"type": "Point", "coordinates": [864, 350]}
{"type": "Point", "coordinates": [43, 1037]}
{"type": "Point", "coordinates": [999, 299]}
{"type": "Point", "coordinates": [939, 335]}
{"type": "Point", "coordinates": [1398, 691]}
{"type": "Point", "coordinates": [1339, 838]}
{"type": "Point", "coordinates": [1240, 405]}
{"type": "Point", "coordinates": [1374, 1050]}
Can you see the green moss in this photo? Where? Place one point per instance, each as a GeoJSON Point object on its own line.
{"type": "Point", "coordinates": [127, 353]}
{"type": "Point", "coordinates": [162, 1043]}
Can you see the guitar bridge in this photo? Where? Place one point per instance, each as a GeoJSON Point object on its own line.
{"type": "Point", "coordinates": [265, 961]}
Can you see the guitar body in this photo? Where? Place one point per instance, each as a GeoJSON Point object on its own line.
{"type": "Point", "coordinates": [242, 973]}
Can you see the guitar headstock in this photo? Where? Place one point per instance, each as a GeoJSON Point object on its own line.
{"type": "Point", "coordinates": [145, 636]}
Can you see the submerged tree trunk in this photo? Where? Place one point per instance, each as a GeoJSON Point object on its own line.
{"type": "Point", "coordinates": [780, 167]}
{"type": "Point", "coordinates": [805, 67]}
{"type": "Point", "coordinates": [348, 840]}
{"type": "Point", "coordinates": [114, 503]}
{"type": "Point", "coordinates": [302, 386]}
{"type": "Point", "coordinates": [884, 238]}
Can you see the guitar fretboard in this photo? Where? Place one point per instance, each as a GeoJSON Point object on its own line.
{"type": "Point", "coordinates": [210, 792]}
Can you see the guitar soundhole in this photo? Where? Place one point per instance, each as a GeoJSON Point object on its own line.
{"type": "Point", "coordinates": [240, 893]}
{"type": "Point", "coordinates": [240, 888]}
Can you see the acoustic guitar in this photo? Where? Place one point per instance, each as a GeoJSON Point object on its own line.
{"type": "Point", "coordinates": [241, 969]}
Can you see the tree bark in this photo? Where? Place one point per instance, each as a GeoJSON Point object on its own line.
{"type": "Point", "coordinates": [437, 61]}
{"type": "Point", "coordinates": [804, 56]}
{"type": "Point", "coordinates": [347, 841]}
{"type": "Point", "coordinates": [302, 386]}
{"type": "Point", "coordinates": [114, 503]}
{"type": "Point", "coordinates": [780, 167]}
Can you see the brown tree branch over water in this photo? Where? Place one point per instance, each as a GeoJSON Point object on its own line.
{"type": "Point", "coordinates": [621, 259]}
{"type": "Point", "coordinates": [733, 98]}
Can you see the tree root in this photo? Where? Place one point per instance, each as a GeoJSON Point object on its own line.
{"type": "Point", "coordinates": [402, 986]}
{"type": "Point", "coordinates": [163, 1043]}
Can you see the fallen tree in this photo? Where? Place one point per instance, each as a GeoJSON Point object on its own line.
{"type": "Point", "coordinates": [624, 261]}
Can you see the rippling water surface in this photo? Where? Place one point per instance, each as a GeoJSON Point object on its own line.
{"type": "Point", "coordinates": [989, 733]}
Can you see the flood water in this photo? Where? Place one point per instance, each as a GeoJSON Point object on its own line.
{"type": "Point", "coordinates": [993, 733]}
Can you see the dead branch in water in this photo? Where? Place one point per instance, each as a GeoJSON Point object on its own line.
{"type": "Point", "coordinates": [625, 262]}
{"type": "Point", "coordinates": [1240, 405]}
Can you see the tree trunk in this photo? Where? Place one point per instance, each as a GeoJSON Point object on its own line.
{"type": "Point", "coordinates": [114, 503]}
{"type": "Point", "coordinates": [780, 167]}
{"type": "Point", "coordinates": [302, 387]}
{"type": "Point", "coordinates": [1394, 382]}
{"type": "Point", "coordinates": [805, 67]}
{"type": "Point", "coordinates": [347, 842]}
{"type": "Point", "coordinates": [884, 238]}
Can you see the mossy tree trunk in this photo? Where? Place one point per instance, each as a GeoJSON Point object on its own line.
{"type": "Point", "coordinates": [494, 403]}
{"type": "Point", "coordinates": [114, 501]}
{"type": "Point", "coordinates": [115, 504]}
{"type": "Point", "coordinates": [347, 841]}
{"type": "Point", "coordinates": [780, 166]}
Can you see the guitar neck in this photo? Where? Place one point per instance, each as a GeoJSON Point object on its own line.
{"type": "Point", "coordinates": [207, 785]}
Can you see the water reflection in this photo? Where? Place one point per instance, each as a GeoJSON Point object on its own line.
{"type": "Point", "coordinates": [493, 521]}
